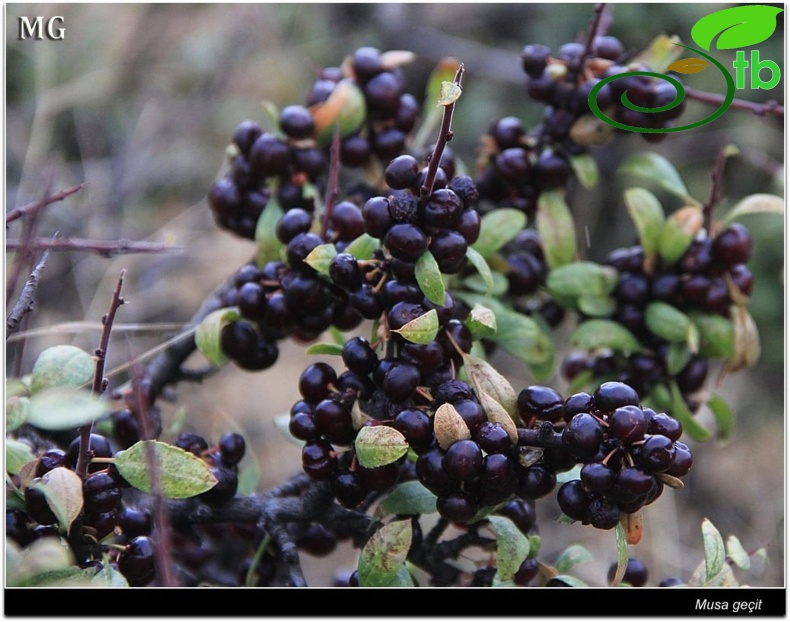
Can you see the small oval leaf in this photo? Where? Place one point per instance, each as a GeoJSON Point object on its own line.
{"type": "Point", "coordinates": [421, 329]}
{"type": "Point", "coordinates": [667, 321]}
{"type": "Point", "coordinates": [62, 408]}
{"type": "Point", "coordinates": [571, 557]}
{"type": "Point", "coordinates": [269, 247]}
{"type": "Point", "coordinates": [62, 366]}
{"type": "Point", "coordinates": [678, 232]}
{"type": "Point", "coordinates": [482, 267]}
{"type": "Point", "coordinates": [584, 165]}
{"type": "Point", "coordinates": [488, 381]}
{"type": "Point", "coordinates": [497, 228]}
{"type": "Point", "coordinates": [555, 224]}
{"type": "Point", "coordinates": [345, 107]}
{"type": "Point", "coordinates": [332, 349]}
{"type": "Point", "coordinates": [449, 92]}
{"type": "Point", "coordinates": [449, 426]}
{"type": "Point", "coordinates": [581, 278]}
{"type": "Point", "coordinates": [648, 216]}
{"type": "Point", "coordinates": [724, 417]}
{"type": "Point", "coordinates": [481, 322]}
{"type": "Point", "coordinates": [688, 65]}
{"type": "Point", "coordinates": [207, 335]}
{"type": "Point", "coordinates": [715, 552]}
{"type": "Point", "coordinates": [362, 247]}
{"type": "Point", "coordinates": [377, 445]}
{"type": "Point", "coordinates": [409, 498]}
{"type": "Point", "coordinates": [756, 204]}
{"type": "Point", "coordinates": [62, 488]}
{"type": "Point", "coordinates": [598, 333]}
{"type": "Point", "coordinates": [181, 473]}
{"type": "Point", "coordinates": [429, 278]}
{"type": "Point", "coordinates": [17, 409]}
{"type": "Point", "coordinates": [717, 335]}
{"type": "Point", "coordinates": [657, 169]}
{"type": "Point", "coordinates": [384, 554]}
{"type": "Point", "coordinates": [512, 546]}
{"type": "Point", "coordinates": [17, 454]}
{"type": "Point", "coordinates": [320, 257]}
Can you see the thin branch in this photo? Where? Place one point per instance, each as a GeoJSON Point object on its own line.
{"type": "Point", "coordinates": [99, 382]}
{"type": "Point", "coordinates": [445, 136]}
{"type": "Point", "coordinates": [101, 247]}
{"type": "Point", "coordinates": [593, 32]}
{"type": "Point", "coordinates": [714, 99]}
{"type": "Point", "coordinates": [18, 212]}
{"type": "Point", "coordinates": [25, 302]}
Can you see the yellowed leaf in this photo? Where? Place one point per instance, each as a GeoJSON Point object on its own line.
{"type": "Point", "coordinates": [688, 65]}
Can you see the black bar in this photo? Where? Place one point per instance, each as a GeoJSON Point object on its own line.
{"type": "Point", "coordinates": [380, 602]}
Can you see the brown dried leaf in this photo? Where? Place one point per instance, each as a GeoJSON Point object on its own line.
{"type": "Point", "coordinates": [449, 426]}
{"type": "Point", "coordinates": [632, 524]}
{"type": "Point", "coordinates": [495, 413]}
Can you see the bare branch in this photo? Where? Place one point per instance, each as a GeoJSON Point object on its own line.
{"type": "Point", "coordinates": [18, 212]}
{"type": "Point", "coordinates": [25, 302]}
{"type": "Point", "coordinates": [101, 247]}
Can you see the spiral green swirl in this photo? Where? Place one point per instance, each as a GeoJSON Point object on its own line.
{"type": "Point", "coordinates": [681, 94]}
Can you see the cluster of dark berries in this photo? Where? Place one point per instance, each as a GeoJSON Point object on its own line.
{"type": "Point", "coordinates": [564, 82]}
{"type": "Point", "coordinates": [628, 453]}
{"type": "Point", "coordinates": [223, 459]}
{"type": "Point", "coordinates": [514, 167]}
{"type": "Point", "coordinates": [390, 112]}
{"type": "Point", "coordinates": [411, 221]}
{"type": "Point", "coordinates": [265, 165]}
{"type": "Point", "coordinates": [710, 277]}
{"type": "Point", "coordinates": [105, 514]}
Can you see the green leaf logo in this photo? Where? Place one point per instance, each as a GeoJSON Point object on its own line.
{"type": "Point", "coordinates": [736, 27]}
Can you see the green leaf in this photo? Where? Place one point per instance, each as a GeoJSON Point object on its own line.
{"type": "Point", "coordinates": [409, 498]}
{"type": "Point", "coordinates": [557, 230]}
{"type": "Point", "coordinates": [678, 232]}
{"type": "Point", "coordinates": [756, 204]}
{"type": "Point", "coordinates": [717, 335]}
{"type": "Point", "coordinates": [481, 322]}
{"type": "Point", "coordinates": [660, 53]}
{"type": "Point", "coordinates": [181, 474]}
{"type": "Point", "coordinates": [320, 257]}
{"type": "Point", "coordinates": [362, 247]}
{"type": "Point", "coordinates": [62, 366]}
{"type": "Point", "coordinates": [475, 282]}
{"type": "Point", "coordinates": [449, 93]}
{"type": "Point", "coordinates": [62, 489]}
{"type": "Point", "coordinates": [207, 335]}
{"type": "Point", "coordinates": [17, 409]}
{"type": "Point", "coordinates": [431, 116]}
{"type": "Point", "coordinates": [333, 349]}
{"type": "Point", "coordinates": [724, 417]}
{"type": "Point", "coordinates": [570, 557]}
{"type": "Point", "coordinates": [622, 554]}
{"type": "Point", "coordinates": [667, 321]}
{"type": "Point", "coordinates": [421, 329]}
{"type": "Point", "coordinates": [681, 412]}
{"type": "Point", "coordinates": [657, 169]}
{"type": "Point", "coordinates": [582, 278]}
{"type": "Point", "coordinates": [497, 228]}
{"type": "Point", "coordinates": [429, 278]}
{"type": "Point", "coordinates": [62, 408]}
{"type": "Point", "coordinates": [648, 216]}
{"type": "Point", "coordinates": [384, 554]}
{"type": "Point", "coordinates": [678, 356]}
{"type": "Point", "coordinates": [512, 546]}
{"type": "Point", "coordinates": [482, 267]}
{"type": "Point", "coordinates": [597, 305]}
{"type": "Point", "coordinates": [598, 333]}
{"type": "Point", "coordinates": [268, 246]}
{"type": "Point", "coordinates": [713, 545]}
{"type": "Point", "coordinates": [737, 27]}
{"type": "Point", "coordinates": [688, 65]}
{"type": "Point", "coordinates": [379, 445]}
{"type": "Point", "coordinates": [17, 454]}
{"type": "Point", "coordinates": [586, 169]}
{"type": "Point", "coordinates": [738, 554]}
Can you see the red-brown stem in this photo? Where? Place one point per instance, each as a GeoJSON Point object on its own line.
{"type": "Point", "coordinates": [593, 32]}
{"type": "Point", "coordinates": [33, 207]}
{"type": "Point", "coordinates": [332, 182]}
{"type": "Point", "coordinates": [99, 382]}
{"type": "Point", "coordinates": [445, 136]}
{"type": "Point", "coordinates": [102, 247]}
{"type": "Point", "coordinates": [714, 99]}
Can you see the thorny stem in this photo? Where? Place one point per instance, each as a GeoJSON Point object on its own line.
{"type": "Point", "coordinates": [99, 382]}
{"type": "Point", "coordinates": [445, 136]}
{"type": "Point", "coordinates": [593, 32]}
{"type": "Point", "coordinates": [101, 247]}
{"type": "Point", "coordinates": [714, 99]}
{"type": "Point", "coordinates": [18, 212]}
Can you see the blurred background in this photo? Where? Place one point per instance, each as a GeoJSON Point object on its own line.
{"type": "Point", "coordinates": [139, 102]}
